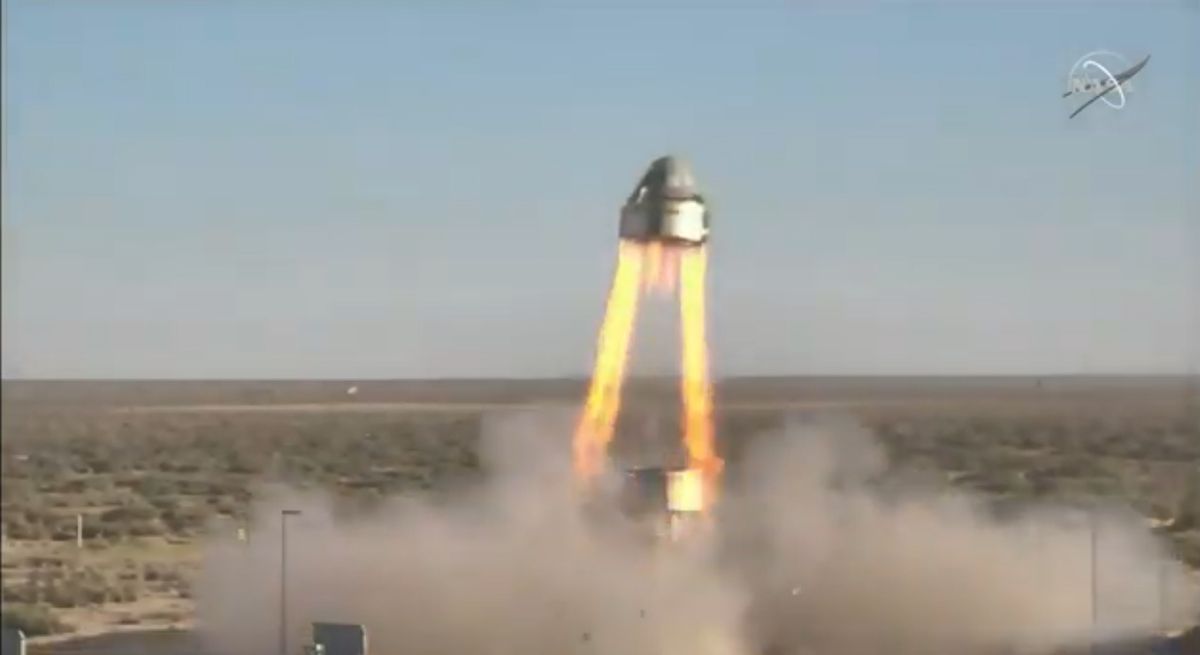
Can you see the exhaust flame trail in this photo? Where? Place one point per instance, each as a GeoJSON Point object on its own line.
{"type": "Point", "coordinates": [663, 228]}
{"type": "Point", "coordinates": [652, 267]}
{"type": "Point", "coordinates": [670, 269]}
{"type": "Point", "coordinates": [696, 385]}
{"type": "Point", "coordinates": [660, 265]}
{"type": "Point", "coordinates": [595, 429]}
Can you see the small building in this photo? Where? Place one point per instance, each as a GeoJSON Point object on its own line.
{"type": "Point", "coordinates": [13, 641]}
{"type": "Point", "coordinates": [338, 639]}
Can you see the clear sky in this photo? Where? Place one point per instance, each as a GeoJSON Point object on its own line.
{"type": "Point", "coordinates": [360, 189]}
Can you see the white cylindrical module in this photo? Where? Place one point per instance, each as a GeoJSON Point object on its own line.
{"type": "Point", "coordinates": [683, 220]}
{"type": "Point", "coordinates": [685, 491]}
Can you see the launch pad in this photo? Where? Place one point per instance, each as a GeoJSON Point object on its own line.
{"type": "Point", "coordinates": [670, 500]}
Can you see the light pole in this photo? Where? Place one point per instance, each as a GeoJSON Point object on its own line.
{"type": "Point", "coordinates": [283, 516]}
{"type": "Point", "coordinates": [1094, 542]}
{"type": "Point", "coordinates": [1163, 600]}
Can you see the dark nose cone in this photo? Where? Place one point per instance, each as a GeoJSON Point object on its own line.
{"type": "Point", "coordinates": [671, 177]}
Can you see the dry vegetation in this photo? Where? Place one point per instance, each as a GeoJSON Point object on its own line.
{"type": "Point", "coordinates": [149, 484]}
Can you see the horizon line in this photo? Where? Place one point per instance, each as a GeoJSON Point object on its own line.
{"type": "Point", "coordinates": [585, 377]}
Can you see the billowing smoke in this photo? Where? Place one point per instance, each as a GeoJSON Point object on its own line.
{"type": "Point", "coordinates": [868, 567]}
{"type": "Point", "coordinates": [810, 555]}
{"type": "Point", "coordinates": [509, 567]}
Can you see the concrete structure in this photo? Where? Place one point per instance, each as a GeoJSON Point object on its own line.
{"type": "Point", "coordinates": [671, 501]}
{"type": "Point", "coordinates": [338, 639]}
{"type": "Point", "coordinates": [13, 641]}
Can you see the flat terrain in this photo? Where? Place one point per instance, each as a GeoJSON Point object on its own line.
{"type": "Point", "coordinates": [153, 466]}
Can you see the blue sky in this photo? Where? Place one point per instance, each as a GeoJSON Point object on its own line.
{"type": "Point", "coordinates": [268, 189]}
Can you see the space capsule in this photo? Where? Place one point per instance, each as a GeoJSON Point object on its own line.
{"type": "Point", "coordinates": [666, 206]}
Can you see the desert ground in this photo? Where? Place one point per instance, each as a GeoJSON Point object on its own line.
{"type": "Point", "coordinates": [154, 467]}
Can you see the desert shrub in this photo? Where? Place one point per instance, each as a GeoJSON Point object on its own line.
{"type": "Point", "coordinates": [34, 620]}
{"type": "Point", "coordinates": [955, 459]}
{"type": "Point", "coordinates": [1026, 437]}
{"type": "Point", "coordinates": [171, 576]}
{"type": "Point", "coordinates": [1041, 485]}
{"type": "Point", "coordinates": [225, 507]}
{"type": "Point", "coordinates": [186, 519]}
{"type": "Point", "coordinates": [1074, 466]}
{"type": "Point", "coordinates": [227, 488]}
{"type": "Point", "coordinates": [152, 528]}
{"type": "Point", "coordinates": [93, 498]}
{"type": "Point", "coordinates": [125, 593]}
{"type": "Point", "coordinates": [130, 513]}
{"type": "Point", "coordinates": [31, 590]}
{"type": "Point", "coordinates": [1188, 550]}
{"type": "Point", "coordinates": [46, 562]}
{"type": "Point", "coordinates": [92, 593]}
{"type": "Point", "coordinates": [60, 595]}
{"type": "Point", "coordinates": [20, 593]}
{"type": "Point", "coordinates": [1102, 486]}
{"type": "Point", "coordinates": [38, 514]}
{"type": "Point", "coordinates": [63, 531]}
{"type": "Point", "coordinates": [995, 482]}
{"type": "Point", "coordinates": [98, 464]}
{"type": "Point", "coordinates": [16, 526]}
{"type": "Point", "coordinates": [73, 485]}
{"type": "Point", "coordinates": [92, 529]}
{"type": "Point", "coordinates": [151, 486]}
{"type": "Point", "coordinates": [154, 572]}
{"type": "Point", "coordinates": [164, 503]}
{"type": "Point", "coordinates": [192, 463]}
{"type": "Point", "coordinates": [164, 616]}
{"type": "Point", "coordinates": [239, 462]}
{"type": "Point", "coordinates": [1187, 515]}
{"type": "Point", "coordinates": [196, 487]}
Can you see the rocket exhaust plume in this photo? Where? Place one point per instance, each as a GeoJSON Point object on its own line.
{"type": "Point", "coordinates": [595, 429]}
{"type": "Point", "coordinates": [663, 231]}
{"type": "Point", "coordinates": [696, 385]}
{"type": "Point", "coordinates": [653, 278]}
{"type": "Point", "coordinates": [661, 268]}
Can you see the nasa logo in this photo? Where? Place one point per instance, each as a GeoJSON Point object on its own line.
{"type": "Point", "coordinates": [1090, 75]}
{"type": "Point", "coordinates": [1098, 74]}
{"type": "Point", "coordinates": [1103, 75]}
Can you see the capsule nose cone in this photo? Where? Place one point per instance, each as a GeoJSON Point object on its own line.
{"type": "Point", "coordinates": [674, 175]}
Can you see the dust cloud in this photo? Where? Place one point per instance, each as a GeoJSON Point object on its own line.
{"type": "Point", "coordinates": [810, 556]}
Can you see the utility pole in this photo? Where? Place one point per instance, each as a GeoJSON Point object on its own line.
{"type": "Point", "coordinates": [1095, 569]}
{"type": "Point", "coordinates": [283, 516]}
{"type": "Point", "coordinates": [1162, 595]}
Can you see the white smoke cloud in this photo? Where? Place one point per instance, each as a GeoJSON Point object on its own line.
{"type": "Point", "coordinates": [809, 555]}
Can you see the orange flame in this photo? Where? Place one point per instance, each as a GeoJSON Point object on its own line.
{"type": "Point", "coordinates": [696, 385]}
{"type": "Point", "coordinates": [653, 266]}
{"type": "Point", "coordinates": [661, 262]}
{"type": "Point", "coordinates": [595, 429]}
{"type": "Point", "coordinates": [670, 269]}
{"type": "Point", "coordinates": [658, 267]}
